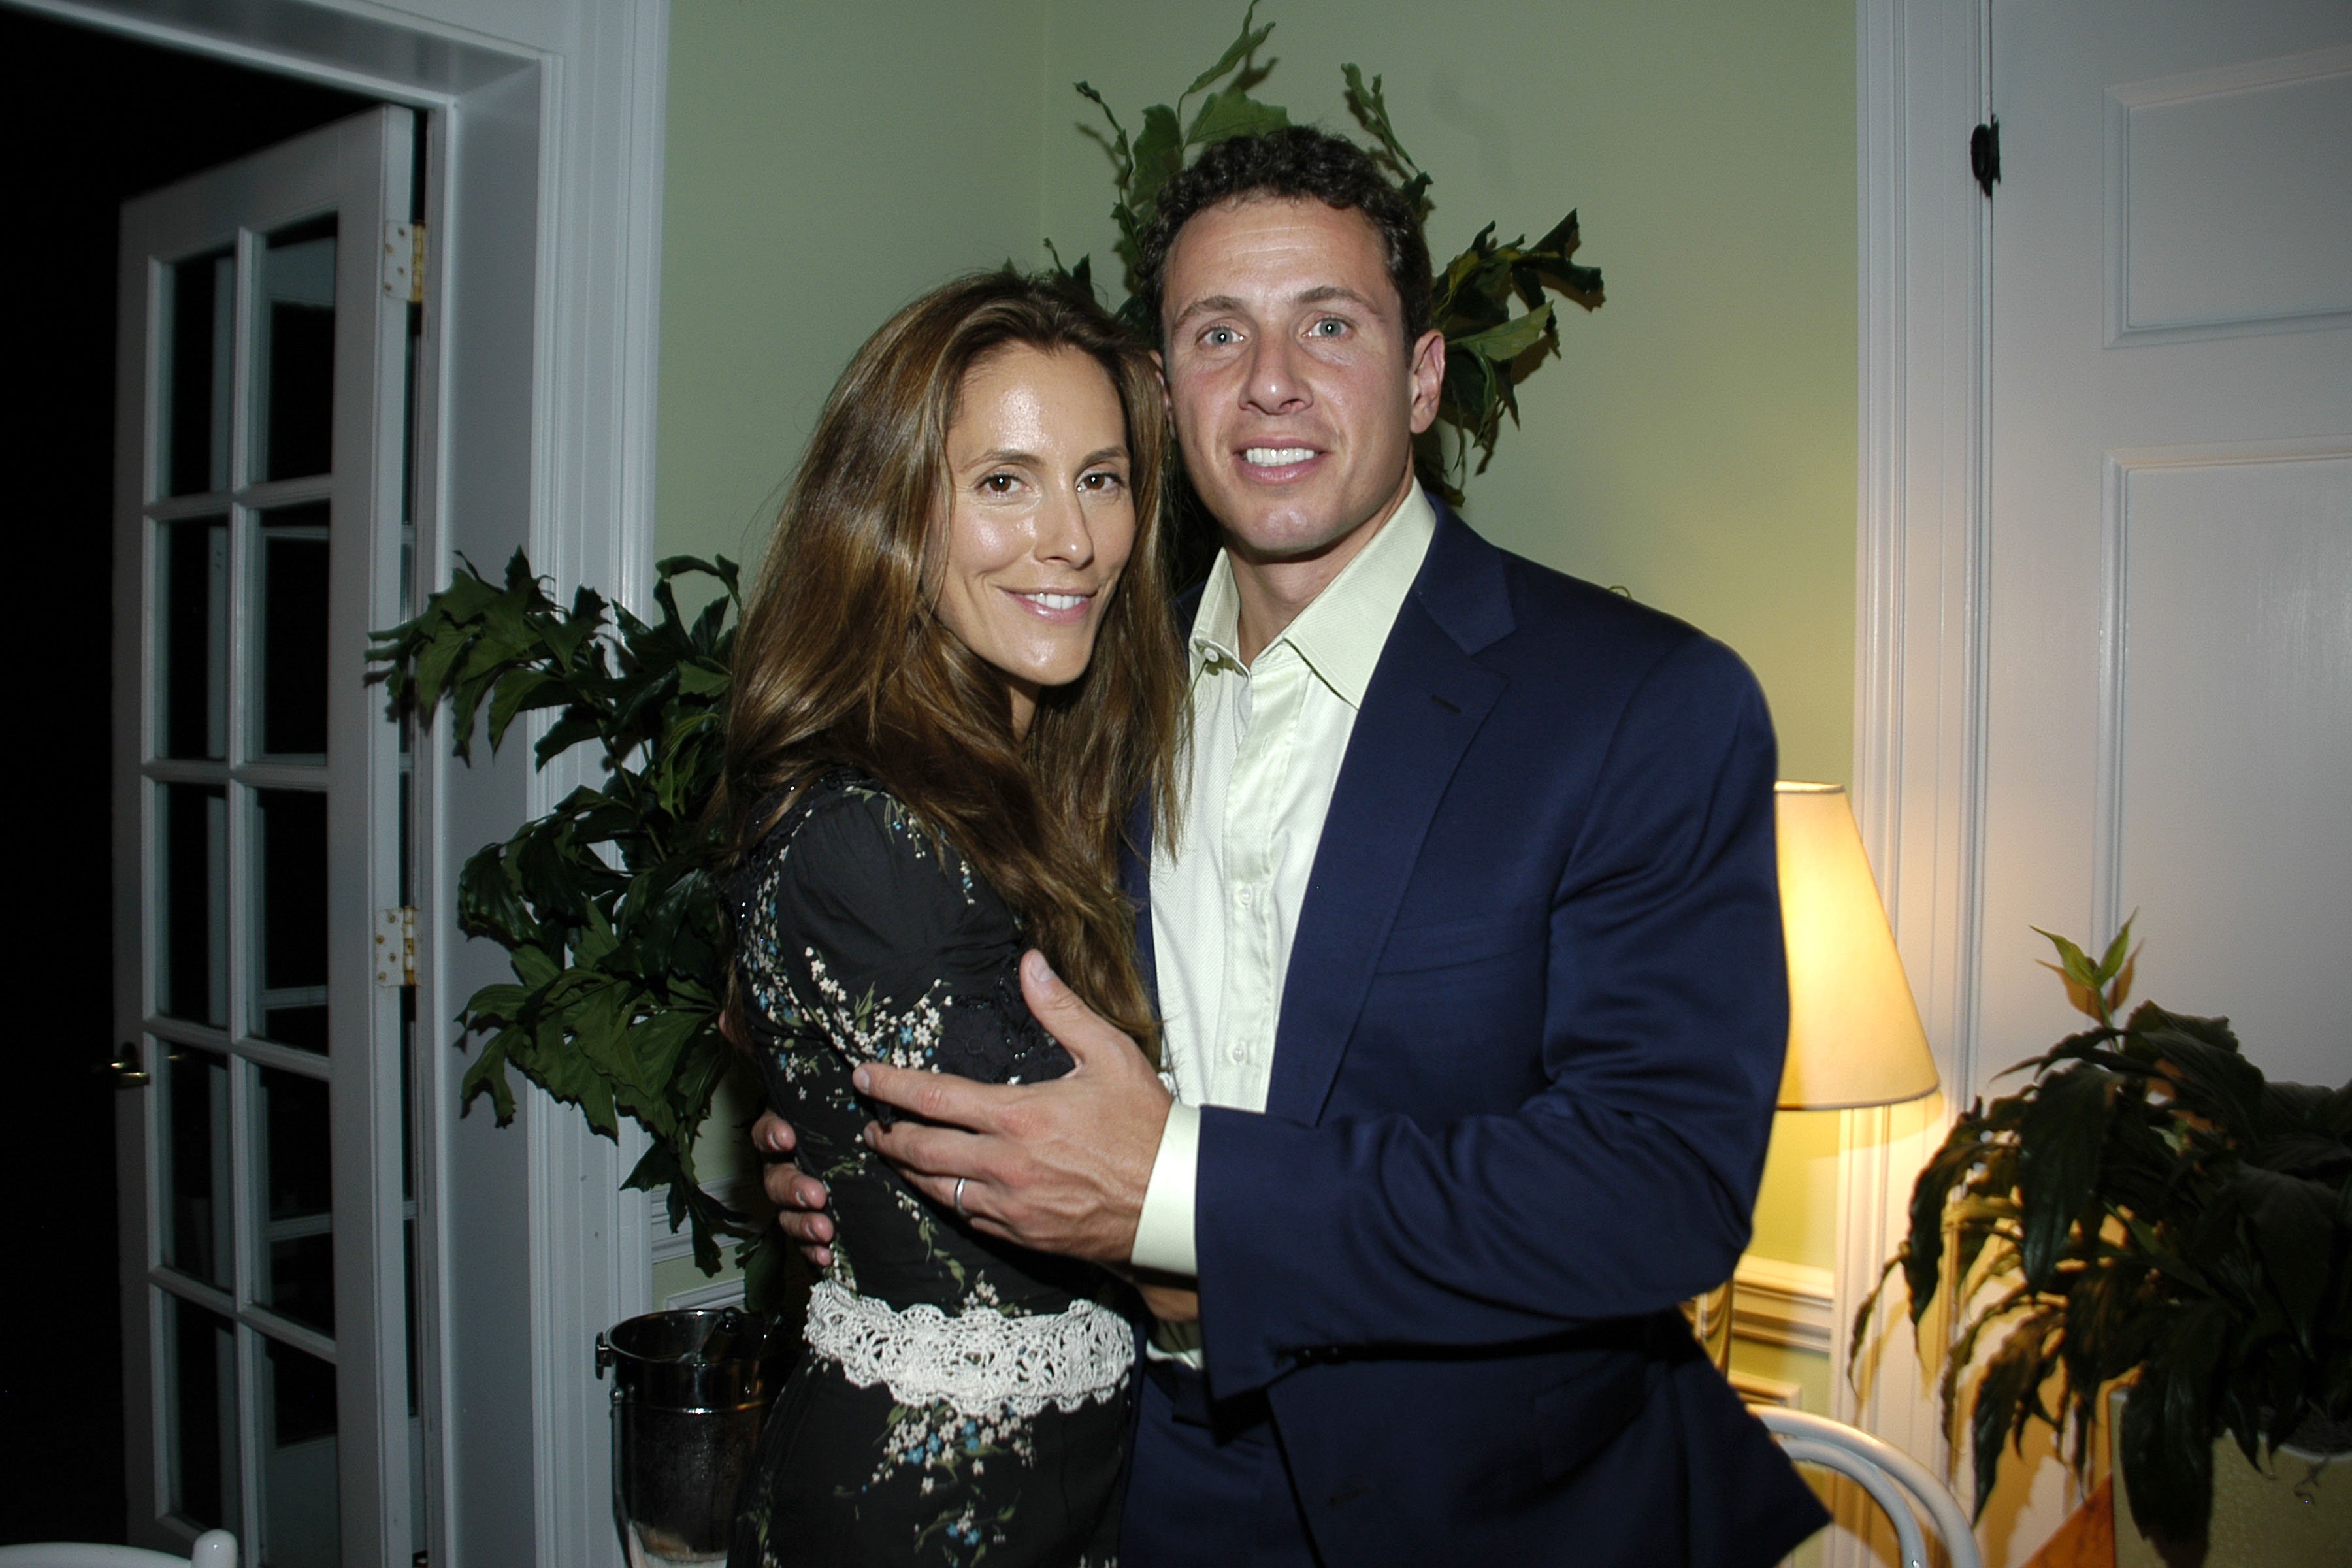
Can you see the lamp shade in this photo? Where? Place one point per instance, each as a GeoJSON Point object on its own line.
{"type": "Point", "coordinates": [1855, 1037]}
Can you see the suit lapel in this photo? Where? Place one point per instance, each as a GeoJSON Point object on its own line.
{"type": "Point", "coordinates": [1427, 699]}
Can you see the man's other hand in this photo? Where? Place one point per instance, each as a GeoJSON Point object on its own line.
{"type": "Point", "coordinates": [1060, 1166]}
{"type": "Point", "coordinates": [800, 1200]}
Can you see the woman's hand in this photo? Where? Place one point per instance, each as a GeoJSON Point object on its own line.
{"type": "Point", "coordinates": [1171, 1303]}
{"type": "Point", "coordinates": [800, 1200]}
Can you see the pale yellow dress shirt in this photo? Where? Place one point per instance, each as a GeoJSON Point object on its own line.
{"type": "Point", "coordinates": [1267, 741]}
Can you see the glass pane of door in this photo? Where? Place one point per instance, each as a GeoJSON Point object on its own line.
{"type": "Point", "coordinates": [192, 638]}
{"type": "Point", "coordinates": [200, 1420]}
{"type": "Point", "coordinates": [289, 594]}
{"type": "Point", "coordinates": [200, 359]}
{"type": "Point", "coordinates": [294, 353]}
{"type": "Point", "coordinates": [195, 1165]}
{"type": "Point", "coordinates": [290, 925]}
{"type": "Point", "coordinates": [295, 1263]}
{"type": "Point", "coordinates": [300, 1527]}
{"type": "Point", "coordinates": [191, 903]}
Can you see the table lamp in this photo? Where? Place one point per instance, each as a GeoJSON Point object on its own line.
{"type": "Point", "coordinates": [1855, 1037]}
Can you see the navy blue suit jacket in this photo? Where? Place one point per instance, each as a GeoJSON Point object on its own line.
{"type": "Point", "coordinates": [1524, 1074]}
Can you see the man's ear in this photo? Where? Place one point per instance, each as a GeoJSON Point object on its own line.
{"type": "Point", "coordinates": [1167, 398]}
{"type": "Point", "coordinates": [1427, 373]}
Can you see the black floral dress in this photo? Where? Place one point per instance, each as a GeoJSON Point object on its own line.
{"type": "Point", "coordinates": [962, 1401]}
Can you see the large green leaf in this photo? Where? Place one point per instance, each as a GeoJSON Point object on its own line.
{"type": "Point", "coordinates": [1240, 50]}
{"type": "Point", "coordinates": [1231, 114]}
{"type": "Point", "coordinates": [1507, 341]}
{"type": "Point", "coordinates": [2064, 1129]}
{"type": "Point", "coordinates": [1158, 158]}
{"type": "Point", "coordinates": [1372, 111]}
{"type": "Point", "coordinates": [2293, 1222]}
{"type": "Point", "coordinates": [2008, 1382]}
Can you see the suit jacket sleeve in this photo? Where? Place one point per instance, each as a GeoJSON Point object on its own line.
{"type": "Point", "coordinates": [1622, 1184]}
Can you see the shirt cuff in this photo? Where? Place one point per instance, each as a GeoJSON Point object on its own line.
{"type": "Point", "coordinates": [1164, 1233]}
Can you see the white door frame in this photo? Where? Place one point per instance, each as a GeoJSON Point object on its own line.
{"type": "Point", "coordinates": [1923, 86]}
{"type": "Point", "coordinates": [536, 431]}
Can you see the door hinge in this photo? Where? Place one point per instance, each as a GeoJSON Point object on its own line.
{"type": "Point", "coordinates": [1984, 154]}
{"type": "Point", "coordinates": [395, 947]}
{"type": "Point", "coordinates": [403, 261]}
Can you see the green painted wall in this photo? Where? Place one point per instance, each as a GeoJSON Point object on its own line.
{"type": "Point", "coordinates": [1696, 446]}
{"type": "Point", "coordinates": [826, 164]}
{"type": "Point", "coordinates": [1696, 443]}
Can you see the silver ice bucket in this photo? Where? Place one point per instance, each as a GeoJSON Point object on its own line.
{"type": "Point", "coordinates": [690, 1392]}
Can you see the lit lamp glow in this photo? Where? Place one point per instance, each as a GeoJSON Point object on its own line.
{"type": "Point", "coordinates": [1855, 1037]}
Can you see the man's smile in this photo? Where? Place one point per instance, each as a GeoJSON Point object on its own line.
{"type": "Point", "coordinates": [1278, 465]}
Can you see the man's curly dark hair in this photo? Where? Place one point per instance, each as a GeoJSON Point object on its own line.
{"type": "Point", "coordinates": [1298, 162]}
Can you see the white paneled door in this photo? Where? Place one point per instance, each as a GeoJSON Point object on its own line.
{"type": "Point", "coordinates": [2167, 720]}
{"type": "Point", "coordinates": [263, 336]}
{"type": "Point", "coordinates": [2170, 718]}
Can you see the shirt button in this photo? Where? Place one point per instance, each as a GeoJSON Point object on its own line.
{"type": "Point", "coordinates": [1243, 898]}
{"type": "Point", "coordinates": [1239, 1053]}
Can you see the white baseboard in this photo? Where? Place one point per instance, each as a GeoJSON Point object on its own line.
{"type": "Point", "coordinates": [1779, 1303]}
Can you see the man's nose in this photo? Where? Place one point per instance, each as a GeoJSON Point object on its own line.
{"type": "Point", "coordinates": [1275, 385]}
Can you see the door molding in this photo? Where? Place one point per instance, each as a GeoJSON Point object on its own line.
{"type": "Point", "coordinates": [1923, 72]}
{"type": "Point", "coordinates": [535, 430]}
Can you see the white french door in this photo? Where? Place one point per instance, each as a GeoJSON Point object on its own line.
{"type": "Point", "coordinates": [260, 820]}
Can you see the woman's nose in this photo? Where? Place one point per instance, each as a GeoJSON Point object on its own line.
{"type": "Point", "coordinates": [1063, 533]}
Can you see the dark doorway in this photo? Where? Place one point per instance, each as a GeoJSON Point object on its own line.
{"type": "Point", "coordinates": [95, 120]}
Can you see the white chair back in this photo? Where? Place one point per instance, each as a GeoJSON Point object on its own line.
{"type": "Point", "coordinates": [214, 1549]}
{"type": "Point", "coordinates": [1900, 1484]}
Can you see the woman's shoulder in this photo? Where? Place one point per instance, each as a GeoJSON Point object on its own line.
{"type": "Point", "coordinates": [845, 843]}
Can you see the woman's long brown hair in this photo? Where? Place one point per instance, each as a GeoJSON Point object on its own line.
{"type": "Point", "coordinates": [843, 658]}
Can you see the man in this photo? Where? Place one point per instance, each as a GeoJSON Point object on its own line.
{"type": "Point", "coordinates": [1469, 958]}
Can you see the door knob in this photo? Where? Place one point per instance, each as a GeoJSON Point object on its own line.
{"type": "Point", "coordinates": [128, 1073]}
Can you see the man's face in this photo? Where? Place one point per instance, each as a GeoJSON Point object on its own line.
{"type": "Point", "coordinates": [1295, 394]}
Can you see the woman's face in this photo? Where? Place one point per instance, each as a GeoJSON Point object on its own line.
{"type": "Point", "coordinates": [1040, 517]}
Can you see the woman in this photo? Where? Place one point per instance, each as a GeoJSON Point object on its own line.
{"type": "Point", "coordinates": [955, 675]}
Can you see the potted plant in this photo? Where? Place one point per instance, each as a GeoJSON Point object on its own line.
{"type": "Point", "coordinates": [607, 905]}
{"type": "Point", "coordinates": [2148, 1207]}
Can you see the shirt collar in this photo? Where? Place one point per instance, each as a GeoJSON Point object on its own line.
{"type": "Point", "coordinates": [1341, 633]}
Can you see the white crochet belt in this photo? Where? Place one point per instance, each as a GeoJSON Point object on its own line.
{"type": "Point", "coordinates": [981, 1361]}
